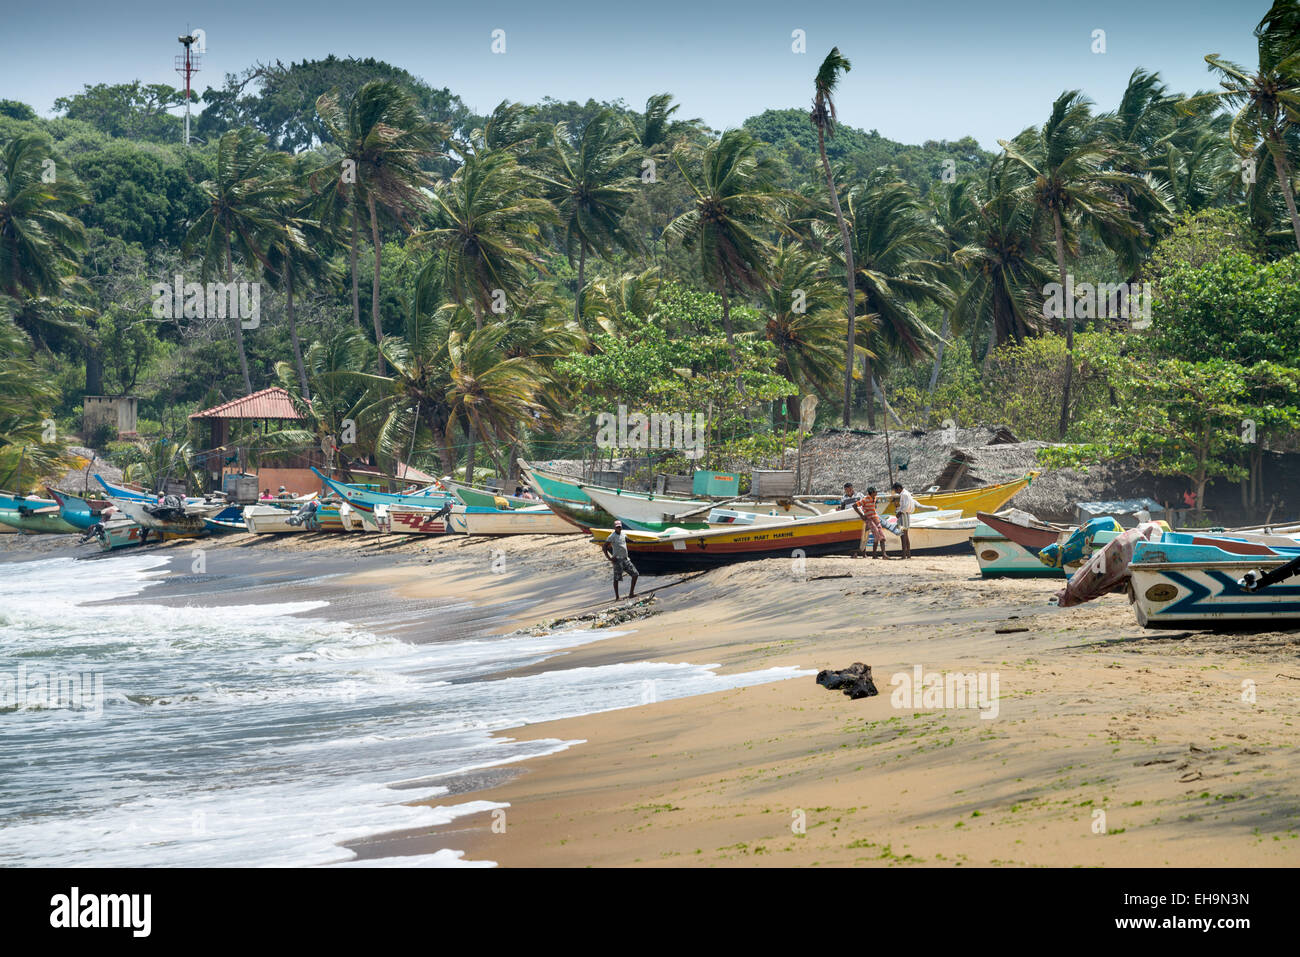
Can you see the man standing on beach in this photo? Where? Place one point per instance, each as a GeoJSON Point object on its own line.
{"type": "Point", "coordinates": [906, 506]}
{"type": "Point", "coordinates": [615, 548]}
{"type": "Point", "coordinates": [871, 528]}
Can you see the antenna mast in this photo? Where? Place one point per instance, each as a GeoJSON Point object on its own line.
{"type": "Point", "coordinates": [187, 64]}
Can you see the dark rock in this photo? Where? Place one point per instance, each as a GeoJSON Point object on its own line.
{"type": "Point", "coordinates": [855, 681]}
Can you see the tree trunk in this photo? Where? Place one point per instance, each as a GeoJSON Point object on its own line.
{"type": "Point", "coordinates": [293, 334]}
{"type": "Point", "coordinates": [1284, 180]}
{"type": "Point", "coordinates": [356, 295]}
{"type": "Point", "coordinates": [850, 279]}
{"type": "Point", "coordinates": [239, 325]}
{"type": "Point", "coordinates": [374, 288]}
{"type": "Point", "coordinates": [934, 370]}
{"type": "Point", "coordinates": [1069, 325]}
{"type": "Point", "coordinates": [94, 362]}
{"type": "Point", "coordinates": [868, 373]}
{"type": "Point", "coordinates": [577, 296]}
{"type": "Point", "coordinates": [469, 456]}
{"type": "Point", "coordinates": [731, 338]}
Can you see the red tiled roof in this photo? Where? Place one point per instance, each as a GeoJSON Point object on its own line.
{"type": "Point", "coordinates": [272, 403]}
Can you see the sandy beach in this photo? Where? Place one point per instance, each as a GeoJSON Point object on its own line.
{"type": "Point", "coordinates": [1105, 744]}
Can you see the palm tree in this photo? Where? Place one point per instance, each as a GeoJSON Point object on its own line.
{"type": "Point", "coordinates": [804, 321]}
{"type": "Point", "coordinates": [27, 392]}
{"type": "Point", "coordinates": [611, 299]}
{"type": "Point", "coordinates": [40, 241]}
{"type": "Point", "coordinates": [735, 203]}
{"type": "Point", "coordinates": [1267, 101]}
{"type": "Point", "coordinates": [249, 188]}
{"type": "Point", "coordinates": [486, 233]}
{"type": "Point", "coordinates": [292, 262]}
{"type": "Point", "coordinates": [1000, 257]}
{"type": "Point", "coordinates": [824, 119]}
{"type": "Point", "coordinates": [589, 181]}
{"type": "Point", "coordinates": [900, 265]}
{"type": "Point", "coordinates": [1076, 184]}
{"type": "Point", "coordinates": [387, 142]}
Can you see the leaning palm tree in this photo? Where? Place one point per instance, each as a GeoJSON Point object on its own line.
{"type": "Point", "coordinates": [40, 240]}
{"type": "Point", "coordinates": [27, 393]}
{"type": "Point", "coordinates": [736, 202]}
{"type": "Point", "coordinates": [485, 239]}
{"type": "Point", "coordinates": [900, 265]}
{"type": "Point", "coordinates": [1075, 184]}
{"type": "Point", "coordinates": [387, 143]}
{"type": "Point", "coordinates": [589, 180]}
{"type": "Point", "coordinates": [1267, 100]}
{"type": "Point", "coordinates": [824, 119]}
{"type": "Point", "coordinates": [249, 187]}
{"type": "Point", "coordinates": [292, 263]}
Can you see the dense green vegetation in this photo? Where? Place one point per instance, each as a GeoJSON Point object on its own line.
{"type": "Point", "coordinates": [464, 289]}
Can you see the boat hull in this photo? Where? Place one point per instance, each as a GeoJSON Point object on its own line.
{"type": "Point", "coordinates": [408, 520]}
{"type": "Point", "coordinates": [46, 523]}
{"type": "Point", "coordinates": [1206, 595]}
{"type": "Point", "coordinates": [513, 522]}
{"type": "Point", "coordinates": [999, 557]}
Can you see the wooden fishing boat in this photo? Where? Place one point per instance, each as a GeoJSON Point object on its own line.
{"type": "Point", "coordinates": [363, 501]}
{"type": "Point", "coordinates": [563, 496]}
{"type": "Point", "coordinates": [534, 520]}
{"type": "Point", "coordinates": [42, 521]}
{"type": "Point", "coordinates": [485, 498]}
{"type": "Point", "coordinates": [937, 531]}
{"type": "Point", "coordinates": [78, 512]}
{"type": "Point", "coordinates": [416, 519]}
{"type": "Point", "coordinates": [641, 510]}
{"type": "Point", "coordinates": [1175, 585]}
{"type": "Point", "coordinates": [1000, 557]}
{"type": "Point", "coordinates": [183, 520]}
{"type": "Point", "coordinates": [835, 533]}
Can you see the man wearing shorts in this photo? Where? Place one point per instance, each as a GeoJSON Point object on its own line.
{"type": "Point", "coordinates": [871, 528]}
{"type": "Point", "coordinates": [615, 548]}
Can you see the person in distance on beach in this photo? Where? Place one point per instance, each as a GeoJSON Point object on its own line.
{"type": "Point", "coordinates": [615, 548]}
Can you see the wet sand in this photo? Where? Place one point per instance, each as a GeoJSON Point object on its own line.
{"type": "Point", "coordinates": [1111, 745]}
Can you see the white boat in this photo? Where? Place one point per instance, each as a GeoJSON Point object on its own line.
{"type": "Point", "coordinates": [999, 557]}
{"type": "Point", "coordinates": [640, 508]}
{"type": "Point", "coordinates": [269, 520]}
{"type": "Point", "coordinates": [184, 519]}
{"type": "Point", "coordinates": [533, 520]}
{"type": "Point", "coordinates": [932, 531]}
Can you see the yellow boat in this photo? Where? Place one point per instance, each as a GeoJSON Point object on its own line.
{"type": "Point", "coordinates": [985, 498]}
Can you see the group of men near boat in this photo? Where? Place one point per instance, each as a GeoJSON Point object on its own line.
{"type": "Point", "coordinates": [873, 532]}
{"type": "Point", "coordinates": [868, 506]}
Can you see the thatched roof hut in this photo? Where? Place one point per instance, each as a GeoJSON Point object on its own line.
{"type": "Point", "coordinates": [920, 459]}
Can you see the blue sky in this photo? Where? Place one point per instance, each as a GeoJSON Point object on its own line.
{"type": "Point", "coordinates": [936, 69]}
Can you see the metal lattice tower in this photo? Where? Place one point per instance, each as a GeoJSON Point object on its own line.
{"type": "Point", "coordinates": [187, 64]}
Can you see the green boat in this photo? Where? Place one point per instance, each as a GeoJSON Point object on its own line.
{"type": "Point", "coordinates": [44, 521]}
{"type": "Point", "coordinates": [572, 504]}
{"type": "Point", "coordinates": [483, 498]}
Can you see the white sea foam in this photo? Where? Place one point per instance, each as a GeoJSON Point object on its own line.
{"type": "Point", "coordinates": [250, 734]}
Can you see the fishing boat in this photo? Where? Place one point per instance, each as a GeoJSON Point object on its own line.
{"type": "Point", "coordinates": [415, 519]}
{"type": "Point", "coordinates": [641, 510]}
{"type": "Point", "coordinates": [834, 533]}
{"type": "Point", "coordinates": [533, 520]}
{"type": "Point", "coordinates": [566, 499]}
{"type": "Point", "coordinates": [1000, 557]}
{"type": "Point", "coordinates": [174, 516]}
{"type": "Point", "coordinates": [363, 501]}
{"type": "Point", "coordinates": [40, 521]}
{"type": "Point", "coordinates": [936, 531]}
{"type": "Point", "coordinates": [78, 512]}
{"type": "Point", "coordinates": [1177, 585]}
{"type": "Point", "coordinates": [485, 498]}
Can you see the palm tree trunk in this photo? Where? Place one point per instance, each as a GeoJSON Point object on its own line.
{"type": "Point", "coordinates": [374, 288]}
{"type": "Point", "coordinates": [850, 277]}
{"type": "Point", "coordinates": [1284, 180]}
{"type": "Point", "coordinates": [356, 296]}
{"type": "Point", "coordinates": [577, 296]}
{"type": "Point", "coordinates": [239, 326]}
{"type": "Point", "coordinates": [934, 369]}
{"type": "Point", "coordinates": [731, 338]}
{"type": "Point", "coordinates": [469, 455]}
{"type": "Point", "coordinates": [1069, 325]}
{"type": "Point", "coordinates": [293, 334]}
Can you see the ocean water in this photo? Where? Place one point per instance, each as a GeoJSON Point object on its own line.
{"type": "Point", "coordinates": [137, 735]}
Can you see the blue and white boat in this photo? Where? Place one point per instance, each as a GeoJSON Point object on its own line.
{"type": "Point", "coordinates": [1187, 579]}
{"type": "Point", "coordinates": [364, 500]}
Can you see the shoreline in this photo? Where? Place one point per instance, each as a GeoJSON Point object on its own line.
{"type": "Point", "coordinates": [1111, 746]}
